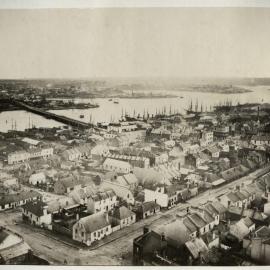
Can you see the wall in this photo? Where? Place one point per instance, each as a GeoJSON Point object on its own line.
{"type": "Point", "coordinates": [61, 229]}
{"type": "Point", "coordinates": [159, 198]}
{"type": "Point", "coordinates": [116, 228]}
{"type": "Point", "coordinates": [91, 206]}
{"type": "Point", "coordinates": [260, 252]}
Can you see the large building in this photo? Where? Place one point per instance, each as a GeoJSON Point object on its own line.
{"type": "Point", "coordinates": [22, 156]}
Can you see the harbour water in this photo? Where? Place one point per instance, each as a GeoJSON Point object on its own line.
{"type": "Point", "coordinates": [110, 111]}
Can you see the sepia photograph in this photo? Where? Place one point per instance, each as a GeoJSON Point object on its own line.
{"type": "Point", "coordinates": [134, 134]}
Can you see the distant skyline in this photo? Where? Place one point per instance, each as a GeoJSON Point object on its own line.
{"type": "Point", "coordinates": [135, 42]}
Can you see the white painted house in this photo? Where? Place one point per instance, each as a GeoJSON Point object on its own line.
{"type": "Point", "coordinates": [102, 201]}
{"type": "Point", "coordinates": [122, 191]}
{"type": "Point", "coordinates": [36, 212]}
{"type": "Point", "coordinates": [37, 179]}
{"type": "Point", "coordinates": [118, 166]}
{"type": "Point", "coordinates": [91, 228]}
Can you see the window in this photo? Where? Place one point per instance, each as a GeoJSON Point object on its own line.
{"type": "Point", "coordinates": [95, 234]}
{"type": "Point", "coordinates": [82, 234]}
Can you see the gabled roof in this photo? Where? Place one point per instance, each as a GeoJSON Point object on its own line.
{"type": "Point", "coordinates": [94, 222]}
{"type": "Point", "coordinates": [245, 193]}
{"type": "Point", "coordinates": [248, 222]}
{"type": "Point", "coordinates": [189, 225]}
{"type": "Point", "coordinates": [131, 179]}
{"type": "Point", "coordinates": [254, 188]}
{"type": "Point", "coordinates": [232, 197]}
{"type": "Point", "coordinates": [121, 181]}
{"type": "Point", "coordinates": [234, 172]}
{"type": "Point", "coordinates": [60, 203]}
{"type": "Point", "coordinates": [240, 195]}
{"type": "Point", "coordinates": [196, 247]}
{"type": "Point", "coordinates": [236, 210]}
{"type": "Point", "coordinates": [11, 198]}
{"type": "Point", "coordinates": [211, 209]}
{"type": "Point", "coordinates": [69, 182]}
{"type": "Point", "coordinates": [38, 175]}
{"type": "Point", "coordinates": [145, 238]}
{"type": "Point", "coordinates": [207, 216]}
{"type": "Point", "coordinates": [177, 232]}
{"type": "Point", "coordinates": [13, 251]}
{"type": "Point", "coordinates": [239, 230]}
{"type": "Point", "coordinates": [209, 237]}
{"type": "Point", "coordinates": [150, 176]}
{"type": "Point", "coordinates": [172, 189]}
{"type": "Point", "coordinates": [122, 212]}
{"type": "Point", "coordinates": [213, 149]}
{"type": "Point", "coordinates": [103, 195]}
{"type": "Point", "coordinates": [35, 207]}
{"type": "Point", "coordinates": [211, 177]}
{"type": "Point", "coordinates": [146, 206]}
{"type": "Point", "coordinates": [116, 163]}
{"type": "Point", "coordinates": [197, 220]}
{"type": "Point", "coordinates": [219, 207]}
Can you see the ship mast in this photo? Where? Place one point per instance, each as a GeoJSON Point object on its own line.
{"type": "Point", "coordinates": [196, 107]}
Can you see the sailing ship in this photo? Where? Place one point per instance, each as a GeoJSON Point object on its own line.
{"type": "Point", "coordinates": [190, 108]}
{"type": "Point", "coordinates": [194, 110]}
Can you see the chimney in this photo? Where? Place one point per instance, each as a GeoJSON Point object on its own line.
{"type": "Point", "coordinates": [214, 235]}
{"type": "Point", "coordinates": [163, 237]}
{"type": "Point", "coordinates": [107, 217]}
{"type": "Point", "coordinates": [267, 194]}
{"type": "Point", "coordinates": [45, 210]}
{"type": "Point", "coordinates": [145, 229]}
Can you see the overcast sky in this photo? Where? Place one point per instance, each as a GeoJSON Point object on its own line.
{"type": "Point", "coordinates": [142, 42]}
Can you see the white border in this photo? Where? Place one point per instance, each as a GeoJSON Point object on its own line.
{"type": "Point", "coordinates": [42, 4]}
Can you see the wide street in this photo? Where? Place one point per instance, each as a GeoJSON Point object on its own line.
{"type": "Point", "coordinates": [116, 249]}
